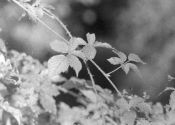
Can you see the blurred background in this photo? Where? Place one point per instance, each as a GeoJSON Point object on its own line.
{"type": "Point", "coordinates": [143, 27]}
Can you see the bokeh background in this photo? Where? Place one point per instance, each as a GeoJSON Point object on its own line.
{"type": "Point", "coordinates": [143, 27]}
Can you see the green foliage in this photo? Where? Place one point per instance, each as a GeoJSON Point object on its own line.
{"type": "Point", "coordinates": [28, 88]}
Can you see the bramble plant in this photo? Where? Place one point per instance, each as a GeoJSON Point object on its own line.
{"type": "Point", "coordinates": [28, 88]}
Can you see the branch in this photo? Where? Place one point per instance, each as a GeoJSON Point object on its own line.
{"type": "Point", "coordinates": [106, 76]}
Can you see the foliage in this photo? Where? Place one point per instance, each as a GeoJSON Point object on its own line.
{"type": "Point", "coordinates": [28, 89]}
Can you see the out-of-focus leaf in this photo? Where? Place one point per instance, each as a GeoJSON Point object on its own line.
{"type": "Point", "coordinates": [59, 46]}
{"type": "Point", "coordinates": [48, 103]}
{"type": "Point", "coordinates": [135, 58]}
{"type": "Point", "coordinates": [172, 100]}
{"type": "Point", "coordinates": [170, 78]}
{"type": "Point", "coordinates": [2, 59]}
{"type": "Point", "coordinates": [122, 56]}
{"type": "Point", "coordinates": [128, 118]}
{"type": "Point", "coordinates": [75, 42]}
{"type": "Point", "coordinates": [57, 64]}
{"type": "Point", "coordinates": [115, 60]}
{"type": "Point", "coordinates": [157, 109]}
{"type": "Point", "coordinates": [90, 95]}
{"type": "Point", "coordinates": [2, 46]}
{"type": "Point", "coordinates": [126, 68]}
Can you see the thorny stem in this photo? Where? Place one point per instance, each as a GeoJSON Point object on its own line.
{"type": "Point", "coordinates": [43, 23]}
{"type": "Point", "coordinates": [117, 68]}
{"type": "Point", "coordinates": [106, 76]}
{"type": "Point", "coordinates": [48, 13]}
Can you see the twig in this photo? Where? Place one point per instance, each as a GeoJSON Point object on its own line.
{"type": "Point", "coordinates": [39, 20]}
{"type": "Point", "coordinates": [117, 68]}
{"type": "Point", "coordinates": [92, 79]}
{"type": "Point", "coordinates": [48, 13]}
{"type": "Point", "coordinates": [106, 76]}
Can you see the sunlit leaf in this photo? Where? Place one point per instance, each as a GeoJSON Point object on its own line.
{"type": "Point", "coordinates": [59, 46]}
{"type": "Point", "coordinates": [104, 45]}
{"type": "Point", "coordinates": [90, 38]}
{"type": "Point", "coordinates": [57, 64]}
{"type": "Point", "coordinates": [115, 60]}
{"type": "Point", "coordinates": [75, 63]}
{"type": "Point", "coordinates": [135, 58]}
{"type": "Point", "coordinates": [89, 51]}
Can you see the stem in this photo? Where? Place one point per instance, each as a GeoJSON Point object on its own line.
{"type": "Point", "coordinates": [91, 77]}
{"type": "Point", "coordinates": [110, 120]}
{"type": "Point", "coordinates": [39, 20]}
{"type": "Point", "coordinates": [48, 13]}
{"type": "Point", "coordinates": [116, 69]}
{"type": "Point", "coordinates": [106, 76]}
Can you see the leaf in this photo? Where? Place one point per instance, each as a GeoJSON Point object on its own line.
{"type": "Point", "coordinates": [100, 44]}
{"type": "Point", "coordinates": [2, 59]}
{"type": "Point", "coordinates": [158, 109]}
{"type": "Point", "coordinates": [48, 103]}
{"type": "Point", "coordinates": [79, 54]}
{"type": "Point", "coordinates": [170, 78]}
{"type": "Point", "coordinates": [89, 52]}
{"type": "Point", "coordinates": [74, 83]}
{"type": "Point", "coordinates": [90, 38]}
{"type": "Point", "coordinates": [49, 89]}
{"type": "Point", "coordinates": [75, 63]}
{"type": "Point", "coordinates": [121, 55]}
{"type": "Point", "coordinates": [115, 60]}
{"type": "Point", "coordinates": [129, 117]}
{"type": "Point", "coordinates": [135, 58]}
{"type": "Point", "coordinates": [172, 100]}
{"type": "Point", "coordinates": [123, 104]}
{"type": "Point", "coordinates": [90, 95]}
{"type": "Point", "coordinates": [2, 46]}
{"type": "Point", "coordinates": [2, 87]}
{"type": "Point", "coordinates": [57, 64]}
{"type": "Point", "coordinates": [126, 67]}
{"type": "Point", "coordinates": [75, 42]}
{"type": "Point", "coordinates": [59, 46]}
{"type": "Point", "coordinates": [16, 113]}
